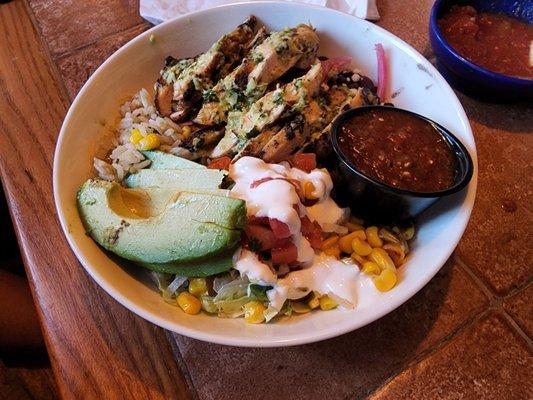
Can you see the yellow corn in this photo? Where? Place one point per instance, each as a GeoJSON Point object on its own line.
{"type": "Point", "coordinates": [396, 252]}
{"type": "Point", "coordinates": [188, 303]}
{"type": "Point", "coordinates": [345, 242]}
{"type": "Point", "coordinates": [385, 281]}
{"type": "Point", "coordinates": [372, 236]}
{"type": "Point", "coordinates": [361, 247]}
{"type": "Point", "coordinates": [333, 251]}
{"type": "Point", "coordinates": [382, 259]}
{"type": "Point", "coordinates": [370, 267]}
{"type": "Point", "coordinates": [186, 132]}
{"type": "Point", "coordinates": [327, 303]}
{"type": "Point", "coordinates": [300, 308]}
{"type": "Point", "coordinates": [149, 142]}
{"type": "Point", "coordinates": [358, 258]}
{"type": "Point", "coordinates": [388, 236]}
{"type": "Point", "coordinates": [197, 286]}
{"type": "Point", "coordinates": [253, 312]}
{"type": "Point", "coordinates": [314, 301]}
{"type": "Point", "coordinates": [330, 241]}
{"type": "Point", "coordinates": [354, 227]}
{"type": "Point", "coordinates": [309, 188]}
{"type": "Point", "coordinates": [136, 136]}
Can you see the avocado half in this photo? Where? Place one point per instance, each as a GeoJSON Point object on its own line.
{"type": "Point", "coordinates": [162, 228]}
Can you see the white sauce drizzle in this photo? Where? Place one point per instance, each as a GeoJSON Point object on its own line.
{"type": "Point", "coordinates": [277, 199]}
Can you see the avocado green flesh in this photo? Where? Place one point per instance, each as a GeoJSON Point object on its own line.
{"type": "Point", "coordinates": [160, 226]}
{"type": "Point", "coordinates": [178, 179]}
{"type": "Point", "coordinates": [161, 160]}
{"type": "Point", "coordinates": [212, 266]}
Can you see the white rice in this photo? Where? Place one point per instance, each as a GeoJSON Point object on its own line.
{"type": "Point", "coordinates": [123, 158]}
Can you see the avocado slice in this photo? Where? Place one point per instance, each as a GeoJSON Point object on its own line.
{"type": "Point", "coordinates": [212, 266]}
{"type": "Point", "coordinates": [162, 160]}
{"type": "Point", "coordinates": [154, 226]}
{"type": "Point", "coordinates": [178, 179]}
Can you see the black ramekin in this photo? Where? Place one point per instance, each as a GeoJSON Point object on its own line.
{"type": "Point", "coordinates": [377, 202]}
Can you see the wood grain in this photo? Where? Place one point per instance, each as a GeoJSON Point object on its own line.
{"type": "Point", "coordinates": [98, 349]}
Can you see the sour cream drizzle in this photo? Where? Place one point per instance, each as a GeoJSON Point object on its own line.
{"type": "Point", "coordinates": [277, 198]}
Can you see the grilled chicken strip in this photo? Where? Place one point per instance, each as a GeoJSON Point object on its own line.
{"type": "Point", "coordinates": [264, 64]}
{"type": "Point", "coordinates": [284, 142]}
{"type": "Point", "coordinates": [201, 74]}
{"type": "Point", "coordinates": [280, 102]}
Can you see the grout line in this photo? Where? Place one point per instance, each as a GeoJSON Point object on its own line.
{"type": "Point", "coordinates": [479, 282]}
{"type": "Point", "coordinates": [90, 44]}
{"type": "Point", "coordinates": [519, 288]}
{"type": "Point", "coordinates": [417, 359]}
{"type": "Point", "coordinates": [517, 328]}
{"type": "Point", "coordinates": [178, 356]}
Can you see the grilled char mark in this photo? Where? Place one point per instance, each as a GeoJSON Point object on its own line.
{"type": "Point", "coordinates": [283, 101]}
{"type": "Point", "coordinates": [209, 67]}
{"type": "Point", "coordinates": [163, 99]}
{"type": "Point", "coordinates": [163, 87]}
{"type": "Point", "coordinates": [254, 146]}
{"type": "Point", "coordinates": [286, 141]}
{"type": "Point", "coordinates": [203, 138]}
{"type": "Point", "coordinates": [265, 63]}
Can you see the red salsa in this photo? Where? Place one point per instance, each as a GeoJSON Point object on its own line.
{"type": "Point", "coordinates": [495, 41]}
{"type": "Point", "coordinates": [398, 149]}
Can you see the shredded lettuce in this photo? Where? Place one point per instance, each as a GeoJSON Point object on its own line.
{"type": "Point", "coordinates": [258, 292]}
{"type": "Point", "coordinates": [169, 285]}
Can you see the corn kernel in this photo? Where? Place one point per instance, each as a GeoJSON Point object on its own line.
{"type": "Point", "coordinates": [188, 303]}
{"type": "Point", "coordinates": [330, 241]}
{"type": "Point", "coordinates": [354, 227]}
{"type": "Point", "coordinates": [300, 308]}
{"type": "Point", "coordinates": [333, 251]}
{"type": "Point", "coordinates": [149, 142]}
{"type": "Point", "coordinates": [253, 312]}
{"type": "Point", "coordinates": [314, 301]}
{"type": "Point", "coordinates": [345, 242]}
{"type": "Point", "coordinates": [371, 268]}
{"type": "Point", "coordinates": [136, 136]}
{"type": "Point", "coordinates": [309, 188]}
{"type": "Point", "coordinates": [388, 236]}
{"type": "Point", "coordinates": [382, 259]}
{"type": "Point", "coordinates": [186, 132]}
{"type": "Point", "coordinates": [327, 303]}
{"type": "Point", "coordinates": [198, 286]}
{"type": "Point", "coordinates": [396, 252]}
{"type": "Point", "coordinates": [386, 280]}
{"type": "Point", "coordinates": [372, 236]}
{"type": "Point", "coordinates": [361, 247]}
{"type": "Point", "coordinates": [358, 258]}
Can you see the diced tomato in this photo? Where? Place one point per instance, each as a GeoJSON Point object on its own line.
{"type": "Point", "coordinates": [220, 163]}
{"type": "Point", "coordinates": [260, 237]}
{"type": "Point", "coordinates": [280, 229]}
{"type": "Point", "coordinates": [258, 182]}
{"type": "Point", "coordinates": [304, 161]}
{"type": "Point", "coordinates": [312, 232]}
{"type": "Point", "coordinates": [284, 255]}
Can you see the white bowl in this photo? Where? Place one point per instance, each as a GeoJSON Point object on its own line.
{"type": "Point", "coordinates": [421, 89]}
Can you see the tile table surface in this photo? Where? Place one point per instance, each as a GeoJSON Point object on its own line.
{"type": "Point", "coordinates": [466, 335]}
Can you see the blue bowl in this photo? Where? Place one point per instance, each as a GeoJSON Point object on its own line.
{"type": "Point", "coordinates": [468, 77]}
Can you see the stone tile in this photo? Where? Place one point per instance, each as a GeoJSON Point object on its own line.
{"type": "Point", "coordinates": [69, 24]}
{"type": "Point", "coordinates": [355, 363]}
{"type": "Point", "coordinates": [520, 307]}
{"type": "Point", "coordinates": [487, 361]}
{"type": "Point", "coordinates": [497, 242]}
{"type": "Point", "coordinates": [414, 22]}
{"type": "Point", "coordinates": [76, 67]}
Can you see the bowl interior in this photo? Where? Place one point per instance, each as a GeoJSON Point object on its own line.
{"type": "Point", "coordinates": [418, 87]}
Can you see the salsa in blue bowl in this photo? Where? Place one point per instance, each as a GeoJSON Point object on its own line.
{"type": "Point", "coordinates": [486, 81]}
